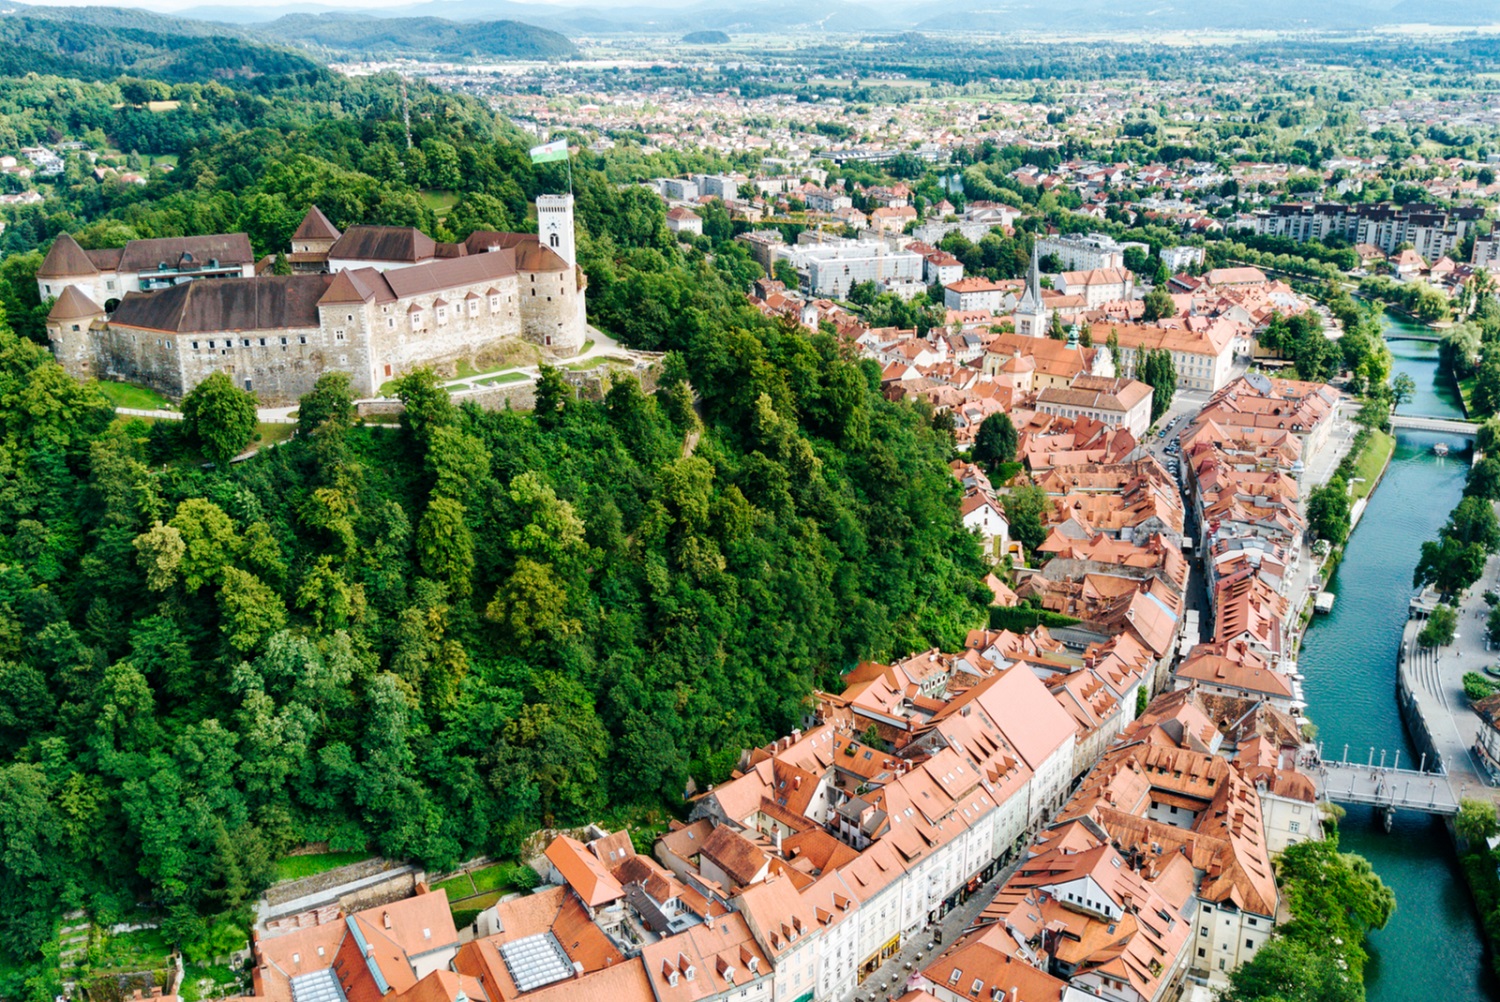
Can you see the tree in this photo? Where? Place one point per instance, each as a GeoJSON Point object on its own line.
{"type": "Point", "coordinates": [1474, 521]}
{"type": "Point", "coordinates": [1158, 371]}
{"type": "Point", "coordinates": [1158, 304]}
{"type": "Point", "coordinates": [786, 273]}
{"type": "Point", "coordinates": [995, 444]}
{"type": "Point", "coordinates": [220, 417]}
{"type": "Point", "coordinates": [1477, 821]}
{"type": "Point", "coordinates": [1484, 479]}
{"type": "Point", "coordinates": [1328, 510]}
{"type": "Point", "coordinates": [1440, 628]}
{"type": "Point", "coordinates": [1403, 388]}
{"type": "Point", "coordinates": [1024, 510]}
{"type": "Point", "coordinates": [330, 402]}
{"type": "Point", "coordinates": [1492, 625]}
{"type": "Point", "coordinates": [1449, 565]}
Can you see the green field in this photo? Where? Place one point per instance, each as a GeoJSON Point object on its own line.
{"type": "Point", "coordinates": [295, 867]}
{"type": "Point", "coordinates": [1371, 461]}
{"type": "Point", "coordinates": [441, 202]}
{"type": "Point", "coordinates": [504, 377]}
{"type": "Point", "coordinates": [138, 397]}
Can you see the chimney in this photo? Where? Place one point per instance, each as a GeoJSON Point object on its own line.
{"type": "Point", "coordinates": [776, 837]}
{"type": "Point", "coordinates": [385, 917]}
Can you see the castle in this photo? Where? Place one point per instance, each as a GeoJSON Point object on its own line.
{"type": "Point", "coordinates": [374, 301]}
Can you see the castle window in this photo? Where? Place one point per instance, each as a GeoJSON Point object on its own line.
{"type": "Point", "coordinates": [169, 343]}
{"type": "Point", "coordinates": [350, 318]}
{"type": "Point", "coordinates": [47, 289]}
{"type": "Point", "coordinates": [211, 344]}
{"type": "Point", "coordinates": [338, 335]}
{"type": "Point", "coordinates": [343, 360]}
{"type": "Point", "coordinates": [262, 342]}
{"type": "Point", "coordinates": [244, 342]}
{"type": "Point", "coordinates": [494, 303]}
{"type": "Point", "coordinates": [283, 342]}
{"type": "Point", "coordinates": [442, 314]}
{"type": "Point", "coordinates": [75, 327]}
{"type": "Point", "coordinates": [302, 339]}
{"type": "Point", "coordinates": [416, 321]}
{"type": "Point", "coordinates": [390, 323]}
{"type": "Point", "coordinates": [473, 307]}
{"type": "Point", "coordinates": [110, 285]}
{"type": "Point", "coordinates": [195, 345]}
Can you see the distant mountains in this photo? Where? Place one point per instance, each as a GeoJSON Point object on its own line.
{"type": "Point", "coordinates": [364, 35]}
{"type": "Point", "coordinates": [592, 17]}
{"type": "Point", "coordinates": [102, 42]}
{"type": "Point", "coordinates": [93, 43]}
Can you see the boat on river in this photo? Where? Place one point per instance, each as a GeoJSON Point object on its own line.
{"type": "Point", "coordinates": [1441, 448]}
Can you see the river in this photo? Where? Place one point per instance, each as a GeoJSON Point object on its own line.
{"type": "Point", "coordinates": [1432, 947]}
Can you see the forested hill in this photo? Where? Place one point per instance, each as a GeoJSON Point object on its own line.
{"type": "Point", "coordinates": [426, 640]}
{"type": "Point", "coordinates": [362, 35]}
{"type": "Point", "coordinates": [98, 43]}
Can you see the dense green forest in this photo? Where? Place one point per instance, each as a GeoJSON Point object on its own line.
{"type": "Point", "coordinates": [407, 36]}
{"type": "Point", "coordinates": [425, 640]}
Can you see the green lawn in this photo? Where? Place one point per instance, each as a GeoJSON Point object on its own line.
{"type": "Point", "coordinates": [1466, 390]}
{"type": "Point", "coordinates": [458, 887]}
{"type": "Point", "coordinates": [295, 867]}
{"type": "Point", "coordinates": [269, 434]}
{"type": "Point", "coordinates": [504, 377]}
{"type": "Point", "coordinates": [1372, 461]}
{"type": "Point", "coordinates": [130, 395]}
{"type": "Point", "coordinates": [439, 201]}
{"type": "Point", "coordinates": [145, 949]}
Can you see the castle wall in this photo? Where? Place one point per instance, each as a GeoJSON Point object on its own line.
{"type": "Point", "coordinates": [553, 311]}
{"type": "Point", "coordinates": [467, 328]}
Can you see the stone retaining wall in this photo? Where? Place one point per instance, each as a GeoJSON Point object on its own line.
{"type": "Point", "coordinates": [290, 890]}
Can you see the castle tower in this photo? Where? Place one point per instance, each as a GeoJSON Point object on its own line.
{"type": "Point", "coordinates": [554, 225]}
{"type": "Point", "coordinates": [70, 325]}
{"type": "Point", "coordinates": [1031, 315]}
{"type": "Point", "coordinates": [312, 242]}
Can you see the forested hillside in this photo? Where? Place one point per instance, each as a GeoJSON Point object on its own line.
{"type": "Point", "coordinates": [407, 36]}
{"type": "Point", "coordinates": [100, 43]}
{"type": "Point", "coordinates": [431, 639]}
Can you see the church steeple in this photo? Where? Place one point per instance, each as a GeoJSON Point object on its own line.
{"type": "Point", "coordinates": [1031, 314]}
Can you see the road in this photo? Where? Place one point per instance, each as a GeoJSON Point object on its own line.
{"type": "Point", "coordinates": [893, 974]}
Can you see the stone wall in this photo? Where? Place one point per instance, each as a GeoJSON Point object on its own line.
{"type": "Point", "coordinates": [290, 890]}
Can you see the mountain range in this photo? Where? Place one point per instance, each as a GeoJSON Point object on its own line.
{"type": "Point", "coordinates": [842, 16]}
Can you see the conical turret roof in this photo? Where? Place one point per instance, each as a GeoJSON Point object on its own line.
{"type": "Point", "coordinates": [315, 226]}
{"type": "Point", "coordinates": [66, 260]}
{"type": "Point", "coordinates": [74, 305]}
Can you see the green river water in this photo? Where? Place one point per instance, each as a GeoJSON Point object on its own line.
{"type": "Point", "coordinates": [1432, 947]}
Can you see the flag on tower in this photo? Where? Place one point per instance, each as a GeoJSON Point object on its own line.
{"type": "Point", "coordinates": [550, 152]}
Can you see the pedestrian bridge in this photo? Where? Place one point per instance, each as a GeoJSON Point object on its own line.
{"type": "Point", "coordinates": [1451, 425]}
{"type": "Point", "coordinates": [1389, 788]}
{"type": "Point", "coordinates": [1399, 335]}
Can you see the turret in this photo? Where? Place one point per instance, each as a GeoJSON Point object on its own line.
{"type": "Point", "coordinates": [70, 325]}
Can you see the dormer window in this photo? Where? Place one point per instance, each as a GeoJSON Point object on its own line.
{"type": "Point", "coordinates": [672, 979]}
{"type": "Point", "coordinates": [691, 972]}
{"type": "Point", "coordinates": [417, 321]}
{"type": "Point", "coordinates": [474, 307]}
{"type": "Point", "coordinates": [494, 303]}
{"type": "Point", "coordinates": [442, 314]}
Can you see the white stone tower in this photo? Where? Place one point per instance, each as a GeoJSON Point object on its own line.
{"type": "Point", "coordinates": [554, 225]}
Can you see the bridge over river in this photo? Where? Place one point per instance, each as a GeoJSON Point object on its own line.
{"type": "Point", "coordinates": [1388, 787]}
{"type": "Point", "coordinates": [1453, 426]}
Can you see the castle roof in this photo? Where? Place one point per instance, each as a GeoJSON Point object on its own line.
{"type": "Point", "coordinates": [228, 249]}
{"type": "Point", "coordinates": [384, 243]}
{"type": "Point", "coordinates": [66, 259]}
{"type": "Point", "coordinates": [315, 226]}
{"type": "Point", "coordinates": [265, 302]}
{"type": "Point", "coordinates": [74, 305]}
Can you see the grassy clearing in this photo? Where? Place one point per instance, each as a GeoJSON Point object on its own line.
{"type": "Point", "coordinates": [296, 867]}
{"type": "Point", "coordinates": [269, 434]}
{"type": "Point", "coordinates": [439, 200]}
{"type": "Point", "coordinates": [503, 378]}
{"type": "Point", "coordinates": [1371, 461]}
{"type": "Point", "coordinates": [1466, 390]}
{"type": "Point", "coordinates": [458, 888]}
{"type": "Point", "coordinates": [135, 396]}
{"type": "Point", "coordinates": [144, 949]}
{"type": "Point", "coordinates": [201, 981]}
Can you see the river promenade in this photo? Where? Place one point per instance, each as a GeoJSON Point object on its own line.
{"type": "Point", "coordinates": [1432, 947]}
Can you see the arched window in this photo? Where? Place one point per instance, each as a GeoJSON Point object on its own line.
{"type": "Point", "coordinates": [554, 240]}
